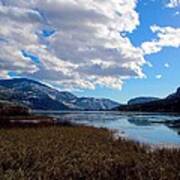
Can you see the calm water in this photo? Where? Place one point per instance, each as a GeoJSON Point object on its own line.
{"type": "Point", "coordinates": [136, 126]}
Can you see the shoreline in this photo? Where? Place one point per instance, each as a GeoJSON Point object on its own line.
{"type": "Point", "coordinates": [34, 121]}
{"type": "Point", "coordinates": [154, 146]}
{"type": "Point", "coordinates": [77, 151]}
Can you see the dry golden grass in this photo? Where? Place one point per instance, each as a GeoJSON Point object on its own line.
{"type": "Point", "coordinates": [80, 153]}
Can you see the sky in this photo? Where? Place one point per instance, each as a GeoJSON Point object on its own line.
{"type": "Point", "coordinates": [115, 49]}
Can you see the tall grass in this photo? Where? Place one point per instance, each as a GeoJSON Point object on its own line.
{"type": "Point", "coordinates": [80, 153]}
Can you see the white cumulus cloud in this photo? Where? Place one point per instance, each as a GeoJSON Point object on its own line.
{"type": "Point", "coordinates": [166, 37]}
{"type": "Point", "coordinates": [87, 47]}
{"type": "Point", "coordinates": [78, 43]}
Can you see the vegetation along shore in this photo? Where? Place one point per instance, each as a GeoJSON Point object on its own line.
{"type": "Point", "coordinates": [72, 151]}
{"type": "Point", "coordinates": [79, 152]}
{"type": "Point", "coordinates": [36, 147]}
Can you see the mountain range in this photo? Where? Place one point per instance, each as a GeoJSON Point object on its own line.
{"type": "Point", "coordinates": [38, 96]}
{"type": "Point", "coordinates": [169, 104]}
{"type": "Point", "coordinates": [142, 100]}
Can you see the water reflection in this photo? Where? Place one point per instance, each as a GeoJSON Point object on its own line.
{"type": "Point", "coordinates": [149, 128]}
{"type": "Point", "coordinates": [176, 129]}
{"type": "Point", "coordinates": [139, 122]}
{"type": "Point", "coordinates": [173, 124]}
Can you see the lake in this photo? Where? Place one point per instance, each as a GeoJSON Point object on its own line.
{"type": "Point", "coordinates": [142, 127]}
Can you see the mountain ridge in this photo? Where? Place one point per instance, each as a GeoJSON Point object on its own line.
{"type": "Point", "coordinates": [38, 96]}
{"type": "Point", "coordinates": [169, 104]}
{"type": "Point", "coordinates": [142, 100]}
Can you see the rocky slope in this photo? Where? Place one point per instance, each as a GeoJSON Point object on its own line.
{"type": "Point", "coordinates": [36, 95]}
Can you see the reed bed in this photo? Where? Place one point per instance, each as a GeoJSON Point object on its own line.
{"type": "Point", "coordinates": [80, 152]}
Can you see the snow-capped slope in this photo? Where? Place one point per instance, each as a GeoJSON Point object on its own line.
{"type": "Point", "coordinates": [40, 96]}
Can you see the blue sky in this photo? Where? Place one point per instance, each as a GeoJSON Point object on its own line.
{"type": "Point", "coordinates": [151, 12]}
{"type": "Point", "coordinates": [113, 49]}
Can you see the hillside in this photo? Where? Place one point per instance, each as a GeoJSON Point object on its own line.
{"type": "Point", "coordinates": [12, 109]}
{"type": "Point", "coordinates": [142, 100]}
{"type": "Point", "coordinates": [38, 96]}
{"type": "Point", "coordinates": [169, 104]}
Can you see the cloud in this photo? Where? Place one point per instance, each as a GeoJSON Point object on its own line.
{"type": "Point", "coordinates": [173, 3]}
{"type": "Point", "coordinates": [158, 76]}
{"type": "Point", "coordinates": [166, 65]}
{"type": "Point", "coordinates": [78, 43]}
{"type": "Point", "coordinates": [166, 37]}
{"type": "Point", "coordinates": [4, 74]}
{"type": "Point", "coordinates": [177, 13]}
